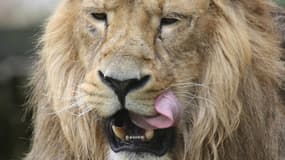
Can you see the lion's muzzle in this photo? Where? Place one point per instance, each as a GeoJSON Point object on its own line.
{"type": "Point", "coordinates": [123, 87]}
{"type": "Point", "coordinates": [133, 132]}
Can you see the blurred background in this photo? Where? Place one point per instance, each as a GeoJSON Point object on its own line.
{"type": "Point", "coordinates": [21, 24]}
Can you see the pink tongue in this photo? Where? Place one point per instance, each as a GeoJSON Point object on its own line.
{"type": "Point", "coordinates": [168, 110]}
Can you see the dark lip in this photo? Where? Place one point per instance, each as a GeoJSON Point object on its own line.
{"type": "Point", "coordinates": [162, 142]}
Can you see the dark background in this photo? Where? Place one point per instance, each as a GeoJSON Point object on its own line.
{"type": "Point", "coordinates": [21, 24]}
{"type": "Point", "coordinates": [16, 48]}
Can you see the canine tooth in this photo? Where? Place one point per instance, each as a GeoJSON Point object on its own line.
{"type": "Point", "coordinates": [119, 132]}
{"type": "Point", "coordinates": [149, 135]}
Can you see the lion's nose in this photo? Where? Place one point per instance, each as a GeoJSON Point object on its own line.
{"type": "Point", "coordinates": [123, 87]}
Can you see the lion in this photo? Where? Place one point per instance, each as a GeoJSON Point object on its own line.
{"type": "Point", "coordinates": [159, 80]}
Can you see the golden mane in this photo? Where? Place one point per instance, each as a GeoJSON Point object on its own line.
{"type": "Point", "coordinates": [241, 114]}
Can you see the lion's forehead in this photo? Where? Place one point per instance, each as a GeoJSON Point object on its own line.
{"type": "Point", "coordinates": [162, 6]}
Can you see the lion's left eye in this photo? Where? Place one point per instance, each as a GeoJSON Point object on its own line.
{"type": "Point", "coordinates": [168, 21]}
{"type": "Point", "coordinates": [100, 16]}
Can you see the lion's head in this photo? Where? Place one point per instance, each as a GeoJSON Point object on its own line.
{"type": "Point", "coordinates": [158, 80]}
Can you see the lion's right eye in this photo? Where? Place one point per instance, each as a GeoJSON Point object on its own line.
{"type": "Point", "coordinates": [100, 16]}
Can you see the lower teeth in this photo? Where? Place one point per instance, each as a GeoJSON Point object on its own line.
{"type": "Point", "coordinates": [128, 138]}
{"type": "Point", "coordinates": [121, 134]}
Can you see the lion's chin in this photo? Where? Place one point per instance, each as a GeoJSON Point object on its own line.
{"type": "Point", "coordinates": [125, 137]}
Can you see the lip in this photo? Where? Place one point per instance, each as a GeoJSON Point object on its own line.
{"type": "Point", "coordinates": [161, 142]}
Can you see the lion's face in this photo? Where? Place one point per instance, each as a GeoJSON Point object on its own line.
{"type": "Point", "coordinates": [158, 80]}
{"type": "Point", "coordinates": [156, 43]}
{"type": "Point", "coordinates": [137, 56]}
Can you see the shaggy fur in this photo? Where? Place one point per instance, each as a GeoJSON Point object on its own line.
{"type": "Point", "coordinates": [222, 61]}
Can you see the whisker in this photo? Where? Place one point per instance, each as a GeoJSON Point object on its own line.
{"type": "Point", "coordinates": [193, 96]}
{"type": "Point", "coordinates": [86, 110]}
{"type": "Point", "coordinates": [189, 84]}
{"type": "Point", "coordinates": [74, 96]}
{"type": "Point", "coordinates": [67, 108]}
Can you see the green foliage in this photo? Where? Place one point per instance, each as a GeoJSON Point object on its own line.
{"type": "Point", "coordinates": [281, 2]}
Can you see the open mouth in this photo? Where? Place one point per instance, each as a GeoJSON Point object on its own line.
{"type": "Point", "coordinates": [123, 135]}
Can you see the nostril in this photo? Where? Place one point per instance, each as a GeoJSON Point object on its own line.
{"type": "Point", "coordinates": [123, 87]}
{"type": "Point", "coordinates": [101, 75]}
{"type": "Point", "coordinates": [108, 80]}
{"type": "Point", "coordinates": [137, 83]}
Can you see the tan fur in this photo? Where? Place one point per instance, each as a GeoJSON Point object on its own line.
{"type": "Point", "coordinates": [222, 60]}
